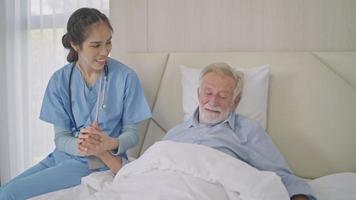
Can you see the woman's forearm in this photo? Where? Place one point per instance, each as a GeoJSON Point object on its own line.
{"type": "Point", "coordinates": [129, 138]}
{"type": "Point", "coordinates": [65, 141]}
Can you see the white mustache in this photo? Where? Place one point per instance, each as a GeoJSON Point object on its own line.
{"type": "Point", "coordinates": [216, 109]}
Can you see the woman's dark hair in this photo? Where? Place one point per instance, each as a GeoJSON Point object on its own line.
{"type": "Point", "coordinates": [77, 27]}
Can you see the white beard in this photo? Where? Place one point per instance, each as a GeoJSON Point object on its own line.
{"type": "Point", "coordinates": [208, 117]}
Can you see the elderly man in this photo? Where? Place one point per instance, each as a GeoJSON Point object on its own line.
{"type": "Point", "coordinates": [216, 125]}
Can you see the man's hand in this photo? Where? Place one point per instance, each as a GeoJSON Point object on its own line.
{"type": "Point", "coordinates": [299, 197]}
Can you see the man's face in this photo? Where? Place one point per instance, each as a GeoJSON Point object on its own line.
{"type": "Point", "coordinates": [216, 97]}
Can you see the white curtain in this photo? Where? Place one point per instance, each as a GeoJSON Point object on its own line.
{"type": "Point", "coordinates": [31, 50]}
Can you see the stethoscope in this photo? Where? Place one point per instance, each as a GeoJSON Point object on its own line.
{"type": "Point", "coordinates": [100, 96]}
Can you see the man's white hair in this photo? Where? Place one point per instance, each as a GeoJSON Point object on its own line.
{"type": "Point", "coordinates": [223, 68]}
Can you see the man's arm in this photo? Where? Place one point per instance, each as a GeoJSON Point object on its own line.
{"type": "Point", "coordinates": [264, 155]}
{"type": "Point", "coordinates": [114, 163]}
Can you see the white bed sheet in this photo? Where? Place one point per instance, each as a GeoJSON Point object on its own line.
{"type": "Point", "coordinates": [339, 186]}
{"type": "Point", "coordinates": [171, 170]}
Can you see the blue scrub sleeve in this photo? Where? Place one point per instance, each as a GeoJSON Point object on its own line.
{"type": "Point", "coordinates": [53, 109]}
{"type": "Point", "coordinates": [129, 138]}
{"type": "Point", "coordinates": [65, 141]}
{"type": "Point", "coordinates": [135, 107]}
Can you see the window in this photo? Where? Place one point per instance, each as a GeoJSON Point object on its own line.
{"type": "Point", "coordinates": [47, 24]}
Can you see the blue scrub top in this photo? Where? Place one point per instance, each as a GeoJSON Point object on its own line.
{"type": "Point", "coordinates": [124, 101]}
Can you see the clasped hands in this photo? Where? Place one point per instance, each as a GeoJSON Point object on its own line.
{"type": "Point", "coordinates": [93, 141]}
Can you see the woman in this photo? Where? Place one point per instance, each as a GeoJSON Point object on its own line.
{"type": "Point", "coordinates": [94, 103]}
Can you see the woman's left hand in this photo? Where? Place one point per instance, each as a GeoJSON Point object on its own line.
{"type": "Point", "coordinates": [105, 141]}
{"type": "Point", "coordinates": [88, 144]}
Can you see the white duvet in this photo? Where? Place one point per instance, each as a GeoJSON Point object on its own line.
{"type": "Point", "coordinates": [171, 170]}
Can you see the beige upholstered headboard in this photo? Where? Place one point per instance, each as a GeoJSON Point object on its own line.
{"type": "Point", "coordinates": [311, 104]}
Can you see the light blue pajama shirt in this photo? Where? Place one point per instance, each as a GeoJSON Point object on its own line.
{"type": "Point", "coordinates": [243, 139]}
{"type": "Point", "coordinates": [124, 106]}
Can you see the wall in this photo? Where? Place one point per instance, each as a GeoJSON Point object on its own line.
{"type": "Point", "coordinates": [233, 25]}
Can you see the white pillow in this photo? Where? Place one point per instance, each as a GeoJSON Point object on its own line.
{"type": "Point", "coordinates": [253, 102]}
{"type": "Point", "coordinates": [340, 186]}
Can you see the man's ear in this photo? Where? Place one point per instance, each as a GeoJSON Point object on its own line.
{"type": "Point", "coordinates": [237, 100]}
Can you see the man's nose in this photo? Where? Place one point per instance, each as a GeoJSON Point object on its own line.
{"type": "Point", "coordinates": [214, 100]}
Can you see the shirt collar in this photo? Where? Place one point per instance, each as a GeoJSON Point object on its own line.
{"type": "Point", "coordinates": [231, 120]}
{"type": "Point", "coordinates": [194, 120]}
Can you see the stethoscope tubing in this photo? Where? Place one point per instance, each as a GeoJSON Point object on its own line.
{"type": "Point", "coordinates": [101, 95]}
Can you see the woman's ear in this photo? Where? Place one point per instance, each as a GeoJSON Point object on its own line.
{"type": "Point", "coordinates": [74, 46]}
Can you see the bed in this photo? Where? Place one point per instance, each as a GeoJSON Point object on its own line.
{"type": "Point", "coordinates": [306, 103]}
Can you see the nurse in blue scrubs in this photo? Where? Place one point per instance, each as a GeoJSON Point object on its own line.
{"type": "Point", "coordinates": [94, 104]}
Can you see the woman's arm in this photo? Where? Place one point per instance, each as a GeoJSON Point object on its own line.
{"type": "Point", "coordinates": [129, 138]}
{"type": "Point", "coordinates": [65, 141]}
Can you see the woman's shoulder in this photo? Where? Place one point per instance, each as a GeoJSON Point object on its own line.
{"type": "Point", "coordinates": [116, 66]}
{"type": "Point", "coordinates": [63, 71]}
{"type": "Point", "coordinates": [61, 75]}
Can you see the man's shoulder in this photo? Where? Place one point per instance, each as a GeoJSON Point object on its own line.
{"type": "Point", "coordinates": [119, 68]}
{"type": "Point", "coordinates": [176, 130]}
{"type": "Point", "coordinates": [246, 125]}
{"type": "Point", "coordinates": [242, 120]}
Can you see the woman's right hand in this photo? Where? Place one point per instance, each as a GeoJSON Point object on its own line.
{"type": "Point", "coordinates": [88, 144]}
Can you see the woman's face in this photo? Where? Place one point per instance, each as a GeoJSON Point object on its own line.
{"type": "Point", "coordinates": [93, 53]}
